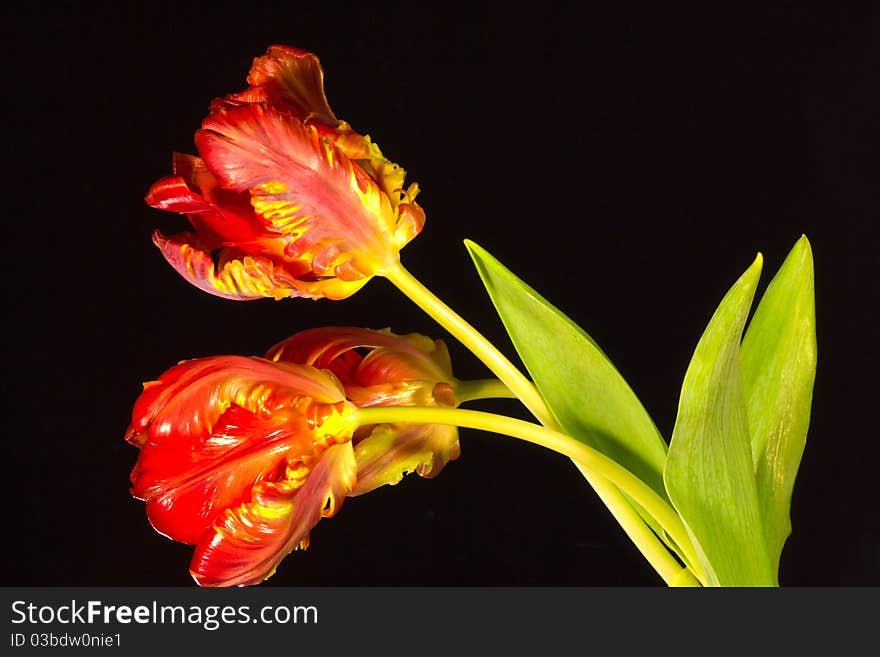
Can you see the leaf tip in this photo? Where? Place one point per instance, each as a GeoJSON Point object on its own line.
{"type": "Point", "coordinates": [753, 273]}
{"type": "Point", "coordinates": [803, 249]}
{"type": "Point", "coordinates": [798, 264]}
{"type": "Point", "coordinates": [479, 255]}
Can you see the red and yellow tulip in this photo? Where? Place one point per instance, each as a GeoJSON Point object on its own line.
{"type": "Point", "coordinates": [285, 200]}
{"type": "Point", "coordinates": [242, 456]}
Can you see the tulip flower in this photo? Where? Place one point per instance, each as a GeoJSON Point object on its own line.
{"type": "Point", "coordinates": [241, 457]}
{"type": "Point", "coordinates": [284, 199]}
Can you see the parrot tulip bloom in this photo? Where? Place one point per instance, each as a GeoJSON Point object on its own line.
{"type": "Point", "coordinates": [410, 370]}
{"type": "Point", "coordinates": [242, 456]}
{"type": "Point", "coordinates": [285, 200]}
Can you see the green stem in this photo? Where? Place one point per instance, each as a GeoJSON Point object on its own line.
{"type": "Point", "coordinates": [500, 366]}
{"type": "Point", "coordinates": [591, 459]}
{"type": "Point", "coordinates": [651, 547]}
{"type": "Point", "coordinates": [467, 391]}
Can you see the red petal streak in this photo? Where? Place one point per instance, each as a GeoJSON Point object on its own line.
{"type": "Point", "coordinates": [304, 188]}
{"type": "Point", "coordinates": [246, 544]}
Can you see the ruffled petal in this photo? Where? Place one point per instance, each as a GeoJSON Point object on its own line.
{"type": "Point", "coordinates": [291, 79]}
{"type": "Point", "coordinates": [393, 357]}
{"type": "Point", "coordinates": [186, 485]}
{"type": "Point", "coordinates": [392, 451]}
{"type": "Point", "coordinates": [220, 217]}
{"type": "Point", "coordinates": [186, 401]}
{"type": "Point", "coordinates": [399, 370]}
{"type": "Point", "coordinates": [332, 213]}
{"type": "Point", "coordinates": [174, 194]}
{"type": "Point", "coordinates": [328, 288]}
{"type": "Point", "coordinates": [414, 357]}
{"type": "Point", "coordinates": [246, 544]}
{"type": "Point", "coordinates": [236, 276]}
{"type": "Point", "coordinates": [390, 178]}
{"type": "Point", "coordinates": [410, 221]}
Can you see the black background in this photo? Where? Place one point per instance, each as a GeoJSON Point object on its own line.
{"type": "Point", "coordinates": [628, 164]}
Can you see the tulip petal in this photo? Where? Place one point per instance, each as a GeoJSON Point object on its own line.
{"type": "Point", "coordinates": [293, 79]}
{"type": "Point", "coordinates": [328, 288]}
{"type": "Point", "coordinates": [399, 370]}
{"type": "Point", "coordinates": [246, 544]}
{"type": "Point", "coordinates": [387, 174]}
{"type": "Point", "coordinates": [241, 278]}
{"type": "Point", "coordinates": [410, 221]}
{"type": "Point", "coordinates": [188, 399]}
{"type": "Point", "coordinates": [174, 194]}
{"type": "Point", "coordinates": [336, 217]}
{"type": "Point", "coordinates": [392, 451]}
{"type": "Point", "coordinates": [402, 393]}
{"type": "Point", "coordinates": [416, 360]}
{"type": "Point", "coordinates": [393, 357]}
{"type": "Point", "coordinates": [187, 485]}
{"type": "Point", "coordinates": [220, 217]}
{"type": "Point", "coordinates": [232, 221]}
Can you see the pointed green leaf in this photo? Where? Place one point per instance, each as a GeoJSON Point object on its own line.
{"type": "Point", "coordinates": [779, 367]}
{"type": "Point", "coordinates": [709, 474]}
{"type": "Point", "coordinates": [586, 394]}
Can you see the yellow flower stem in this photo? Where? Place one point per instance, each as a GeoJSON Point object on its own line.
{"type": "Point", "coordinates": [497, 362]}
{"type": "Point", "coordinates": [592, 460]}
{"type": "Point", "coordinates": [467, 391]}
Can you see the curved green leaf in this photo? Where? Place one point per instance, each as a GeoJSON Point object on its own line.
{"type": "Point", "coordinates": [779, 368]}
{"type": "Point", "coordinates": [709, 474]}
{"type": "Point", "coordinates": [587, 395]}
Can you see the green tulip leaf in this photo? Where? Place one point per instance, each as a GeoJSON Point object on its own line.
{"type": "Point", "coordinates": [779, 368]}
{"type": "Point", "coordinates": [709, 474]}
{"type": "Point", "coordinates": [586, 394]}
